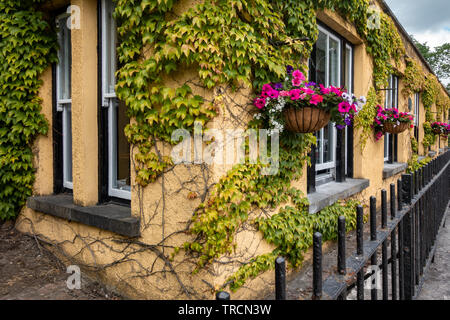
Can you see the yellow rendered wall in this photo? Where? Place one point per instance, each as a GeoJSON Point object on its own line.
{"type": "Point", "coordinates": [141, 268]}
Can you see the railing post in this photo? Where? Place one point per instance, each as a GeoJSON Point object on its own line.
{"type": "Point", "coordinates": [393, 247]}
{"type": "Point", "coordinates": [341, 245]}
{"type": "Point", "coordinates": [401, 260]}
{"type": "Point", "coordinates": [280, 278]}
{"type": "Point", "coordinates": [384, 253]}
{"type": "Point", "coordinates": [373, 237]}
{"type": "Point", "coordinates": [408, 232]}
{"type": "Point", "coordinates": [317, 266]}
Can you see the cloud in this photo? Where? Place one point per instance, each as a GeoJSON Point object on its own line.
{"type": "Point", "coordinates": [419, 16]}
{"type": "Point", "coordinates": [433, 38]}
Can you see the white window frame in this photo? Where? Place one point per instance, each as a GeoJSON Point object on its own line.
{"type": "Point", "coordinates": [350, 91]}
{"type": "Point", "coordinates": [332, 164]}
{"type": "Point", "coordinates": [390, 96]}
{"type": "Point", "coordinates": [109, 100]}
{"type": "Point", "coordinates": [416, 109]}
{"type": "Point", "coordinates": [64, 105]}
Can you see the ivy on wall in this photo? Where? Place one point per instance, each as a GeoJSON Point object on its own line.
{"type": "Point", "coordinates": [27, 48]}
{"type": "Point", "coordinates": [432, 90]}
{"type": "Point", "coordinates": [364, 119]}
{"type": "Point", "coordinates": [414, 78]}
{"type": "Point", "coordinates": [291, 231]}
{"type": "Point", "coordinates": [227, 42]}
{"type": "Point", "coordinates": [231, 42]}
{"type": "Point", "coordinates": [241, 190]}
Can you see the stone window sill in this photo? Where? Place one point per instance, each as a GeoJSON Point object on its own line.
{"type": "Point", "coordinates": [110, 217]}
{"type": "Point", "coordinates": [432, 154]}
{"type": "Point", "coordinates": [392, 169]}
{"type": "Point", "coordinates": [330, 193]}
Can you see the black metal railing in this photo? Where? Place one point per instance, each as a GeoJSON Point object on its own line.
{"type": "Point", "coordinates": [406, 241]}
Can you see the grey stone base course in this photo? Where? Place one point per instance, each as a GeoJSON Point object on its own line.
{"type": "Point", "coordinates": [330, 193]}
{"type": "Point", "coordinates": [110, 217]}
{"type": "Point", "coordinates": [391, 169]}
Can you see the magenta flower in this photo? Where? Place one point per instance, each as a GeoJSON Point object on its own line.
{"type": "Point", "coordinates": [316, 99]}
{"type": "Point", "coordinates": [308, 91]}
{"type": "Point", "coordinates": [273, 94]}
{"type": "Point", "coordinates": [296, 82]}
{"type": "Point", "coordinates": [295, 94]}
{"type": "Point", "coordinates": [324, 90]}
{"type": "Point", "coordinates": [344, 107]}
{"type": "Point", "coordinates": [260, 103]}
{"type": "Point", "coordinates": [267, 87]}
{"type": "Point", "coordinates": [297, 74]}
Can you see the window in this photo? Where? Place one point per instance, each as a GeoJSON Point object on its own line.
{"type": "Point", "coordinates": [117, 146]}
{"type": "Point", "coordinates": [64, 97]}
{"type": "Point", "coordinates": [416, 115]}
{"type": "Point", "coordinates": [331, 63]}
{"type": "Point", "coordinates": [348, 68]}
{"type": "Point", "coordinates": [391, 101]}
{"type": "Point", "coordinates": [329, 68]}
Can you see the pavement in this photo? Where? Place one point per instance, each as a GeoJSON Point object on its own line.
{"type": "Point", "coordinates": [437, 280]}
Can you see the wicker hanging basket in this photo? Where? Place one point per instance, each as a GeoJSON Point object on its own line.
{"type": "Point", "coordinates": [306, 120]}
{"type": "Point", "coordinates": [437, 131]}
{"type": "Point", "coordinates": [395, 129]}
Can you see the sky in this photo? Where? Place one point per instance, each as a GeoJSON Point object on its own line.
{"type": "Point", "coordinates": [428, 21]}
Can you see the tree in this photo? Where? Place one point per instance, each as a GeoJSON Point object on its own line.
{"type": "Point", "coordinates": [438, 58]}
{"type": "Point", "coordinates": [423, 48]}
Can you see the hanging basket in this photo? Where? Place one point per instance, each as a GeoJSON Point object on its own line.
{"type": "Point", "coordinates": [395, 129]}
{"type": "Point", "coordinates": [437, 131]}
{"type": "Point", "coordinates": [306, 120]}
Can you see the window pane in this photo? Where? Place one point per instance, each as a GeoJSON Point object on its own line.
{"type": "Point", "coordinates": [395, 92]}
{"type": "Point", "coordinates": [334, 63]}
{"type": "Point", "coordinates": [321, 58]}
{"type": "Point", "coordinates": [67, 142]}
{"type": "Point", "coordinates": [319, 151]}
{"type": "Point", "coordinates": [386, 146]}
{"type": "Point", "coordinates": [65, 60]}
{"type": "Point", "coordinates": [416, 109]}
{"type": "Point", "coordinates": [121, 163]}
{"type": "Point", "coordinates": [110, 48]}
{"type": "Point", "coordinates": [328, 143]}
{"type": "Point", "coordinates": [348, 69]}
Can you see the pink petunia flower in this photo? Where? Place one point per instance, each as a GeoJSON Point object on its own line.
{"type": "Point", "coordinates": [344, 107]}
{"type": "Point", "coordinates": [308, 90]}
{"type": "Point", "coordinates": [273, 94]}
{"type": "Point", "coordinates": [297, 82]}
{"type": "Point", "coordinates": [316, 99]}
{"type": "Point", "coordinates": [267, 87]}
{"type": "Point", "coordinates": [297, 74]}
{"type": "Point", "coordinates": [260, 103]}
{"type": "Point", "coordinates": [295, 94]}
